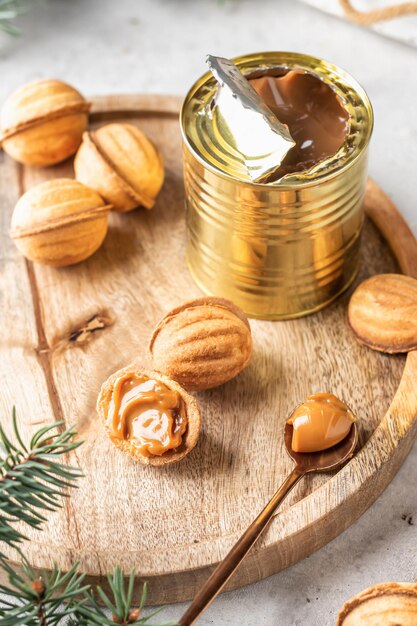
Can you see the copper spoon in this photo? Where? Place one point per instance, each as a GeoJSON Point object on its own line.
{"type": "Point", "coordinates": [305, 463]}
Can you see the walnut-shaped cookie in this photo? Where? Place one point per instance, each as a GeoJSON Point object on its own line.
{"type": "Point", "coordinates": [149, 416]}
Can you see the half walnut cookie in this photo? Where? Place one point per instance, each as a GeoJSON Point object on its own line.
{"type": "Point", "coordinates": [382, 313]}
{"type": "Point", "coordinates": [384, 604]}
{"type": "Point", "coordinates": [189, 405]}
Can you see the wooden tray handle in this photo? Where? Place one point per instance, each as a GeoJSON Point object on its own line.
{"type": "Point", "coordinates": [392, 226]}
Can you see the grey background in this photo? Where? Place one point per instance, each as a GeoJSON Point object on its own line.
{"type": "Point", "coordinates": [159, 46]}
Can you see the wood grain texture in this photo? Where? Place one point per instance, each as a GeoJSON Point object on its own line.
{"type": "Point", "coordinates": [65, 330]}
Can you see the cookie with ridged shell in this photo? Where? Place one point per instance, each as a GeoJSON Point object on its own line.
{"type": "Point", "coordinates": [202, 343]}
{"type": "Point", "coordinates": [193, 414]}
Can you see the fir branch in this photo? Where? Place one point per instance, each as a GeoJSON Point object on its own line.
{"type": "Point", "coordinates": [33, 600]}
{"type": "Point", "coordinates": [31, 482]}
{"type": "Point", "coordinates": [10, 10]}
{"type": "Point", "coordinates": [120, 606]}
{"type": "Point", "coordinates": [47, 600]}
{"type": "Point", "coordinates": [31, 479]}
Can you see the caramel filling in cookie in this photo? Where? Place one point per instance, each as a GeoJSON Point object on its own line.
{"type": "Point", "coordinates": [147, 413]}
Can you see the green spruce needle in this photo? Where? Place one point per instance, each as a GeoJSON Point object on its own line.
{"type": "Point", "coordinates": [9, 11]}
{"type": "Point", "coordinates": [33, 481]}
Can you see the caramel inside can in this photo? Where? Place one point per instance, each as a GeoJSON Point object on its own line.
{"type": "Point", "coordinates": [284, 249]}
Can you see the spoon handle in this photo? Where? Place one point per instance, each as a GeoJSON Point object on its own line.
{"type": "Point", "coordinates": [225, 569]}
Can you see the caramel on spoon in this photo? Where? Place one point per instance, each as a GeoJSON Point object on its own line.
{"type": "Point", "coordinates": [319, 423]}
{"type": "Point", "coordinates": [305, 463]}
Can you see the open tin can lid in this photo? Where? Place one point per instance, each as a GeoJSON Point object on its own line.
{"type": "Point", "coordinates": [210, 134]}
{"type": "Point", "coordinates": [244, 124]}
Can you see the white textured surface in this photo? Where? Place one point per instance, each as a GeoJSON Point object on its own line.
{"type": "Point", "coordinates": [104, 46]}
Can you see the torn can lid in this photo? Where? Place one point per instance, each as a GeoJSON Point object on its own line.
{"type": "Point", "coordinates": [246, 124]}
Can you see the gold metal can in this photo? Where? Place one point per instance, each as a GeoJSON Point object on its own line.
{"type": "Point", "coordinates": [279, 250]}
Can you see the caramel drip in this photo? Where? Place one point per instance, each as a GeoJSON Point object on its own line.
{"type": "Point", "coordinates": [322, 421]}
{"type": "Point", "coordinates": [147, 413]}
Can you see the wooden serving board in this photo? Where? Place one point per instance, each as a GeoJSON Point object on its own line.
{"type": "Point", "coordinates": [174, 523]}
